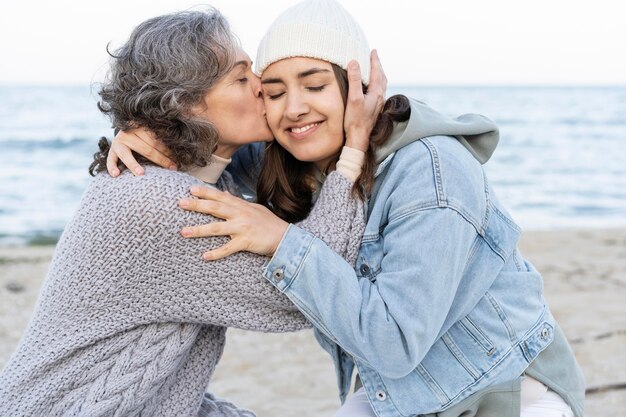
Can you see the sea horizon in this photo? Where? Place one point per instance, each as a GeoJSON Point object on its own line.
{"type": "Point", "coordinates": [559, 163]}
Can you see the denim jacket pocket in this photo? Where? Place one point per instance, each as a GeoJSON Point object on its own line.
{"type": "Point", "coordinates": [477, 335]}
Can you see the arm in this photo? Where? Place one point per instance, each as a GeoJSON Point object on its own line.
{"type": "Point", "coordinates": [245, 166]}
{"type": "Point", "coordinates": [139, 266]}
{"type": "Point", "coordinates": [389, 322]}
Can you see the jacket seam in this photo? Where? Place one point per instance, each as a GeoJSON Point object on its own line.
{"type": "Point", "coordinates": [504, 356]}
{"type": "Point", "coordinates": [441, 198]}
{"type": "Point", "coordinates": [488, 371]}
{"type": "Point", "coordinates": [296, 273]}
{"type": "Point", "coordinates": [432, 384]}
{"type": "Point", "coordinates": [462, 359]}
{"type": "Point", "coordinates": [505, 218]}
{"type": "Point", "coordinates": [487, 203]}
{"type": "Point", "coordinates": [412, 209]}
{"type": "Point", "coordinates": [490, 347]}
{"type": "Point", "coordinates": [502, 316]}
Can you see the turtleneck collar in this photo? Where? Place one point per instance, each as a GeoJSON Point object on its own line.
{"type": "Point", "coordinates": [212, 171]}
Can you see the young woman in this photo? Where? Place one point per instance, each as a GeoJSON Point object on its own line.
{"type": "Point", "coordinates": [130, 321]}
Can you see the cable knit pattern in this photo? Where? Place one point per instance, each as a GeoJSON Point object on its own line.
{"type": "Point", "coordinates": [130, 320]}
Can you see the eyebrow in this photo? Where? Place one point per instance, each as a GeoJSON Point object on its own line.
{"type": "Point", "coordinates": [243, 63]}
{"type": "Point", "coordinates": [300, 75]}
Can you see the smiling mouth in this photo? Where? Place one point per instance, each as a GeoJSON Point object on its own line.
{"type": "Point", "coordinates": [304, 129]}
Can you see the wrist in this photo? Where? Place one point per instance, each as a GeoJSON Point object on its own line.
{"type": "Point", "coordinates": [279, 234]}
{"type": "Point", "coordinates": [350, 163]}
{"type": "Point", "coordinates": [358, 139]}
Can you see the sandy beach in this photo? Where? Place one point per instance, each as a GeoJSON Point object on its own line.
{"type": "Point", "coordinates": [289, 375]}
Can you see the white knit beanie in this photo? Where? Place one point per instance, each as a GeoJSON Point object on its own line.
{"type": "Point", "coordinates": [320, 29]}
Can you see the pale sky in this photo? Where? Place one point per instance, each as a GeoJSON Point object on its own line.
{"type": "Point", "coordinates": [438, 42]}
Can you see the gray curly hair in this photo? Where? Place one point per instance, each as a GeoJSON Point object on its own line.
{"type": "Point", "coordinates": [163, 71]}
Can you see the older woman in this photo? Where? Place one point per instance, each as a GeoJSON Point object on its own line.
{"type": "Point", "coordinates": [130, 321]}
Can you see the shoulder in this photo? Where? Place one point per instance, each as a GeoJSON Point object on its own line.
{"type": "Point", "coordinates": [167, 181]}
{"type": "Point", "coordinates": [156, 187]}
{"type": "Point", "coordinates": [439, 171]}
{"type": "Point", "coordinates": [147, 204]}
{"type": "Point", "coordinates": [444, 156]}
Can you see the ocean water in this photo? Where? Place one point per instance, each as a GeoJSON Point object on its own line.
{"type": "Point", "coordinates": [561, 161]}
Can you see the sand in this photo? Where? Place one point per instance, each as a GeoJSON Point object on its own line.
{"type": "Point", "coordinates": [288, 375]}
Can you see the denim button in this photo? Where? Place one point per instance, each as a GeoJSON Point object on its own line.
{"type": "Point", "coordinates": [545, 333]}
{"type": "Point", "coordinates": [365, 269]}
{"type": "Point", "coordinates": [278, 274]}
{"type": "Point", "coordinates": [381, 395]}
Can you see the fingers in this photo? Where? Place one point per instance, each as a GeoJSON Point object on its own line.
{"type": "Point", "coordinates": [209, 193]}
{"type": "Point", "coordinates": [378, 81]}
{"type": "Point", "coordinates": [145, 147]}
{"type": "Point", "coordinates": [124, 153]}
{"type": "Point", "coordinates": [112, 168]}
{"type": "Point", "coordinates": [206, 230]}
{"type": "Point", "coordinates": [214, 208]}
{"type": "Point", "coordinates": [223, 251]}
{"type": "Point", "coordinates": [355, 90]}
{"type": "Point", "coordinates": [149, 139]}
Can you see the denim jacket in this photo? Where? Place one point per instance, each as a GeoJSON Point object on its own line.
{"type": "Point", "coordinates": [441, 304]}
{"type": "Point", "coordinates": [442, 187]}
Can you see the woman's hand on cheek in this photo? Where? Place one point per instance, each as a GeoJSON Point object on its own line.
{"type": "Point", "coordinates": [362, 109]}
{"type": "Point", "coordinates": [143, 142]}
{"type": "Point", "coordinates": [251, 227]}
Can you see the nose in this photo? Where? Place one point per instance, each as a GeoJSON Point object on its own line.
{"type": "Point", "coordinates": [255, 82]}
{"type": "Point", "coordinates": [295, 106]}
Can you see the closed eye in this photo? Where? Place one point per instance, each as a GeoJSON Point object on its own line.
{"type": "Point", "coordinates": [318, 88]}
{"type": "Point", "coordinates": [274, 96]}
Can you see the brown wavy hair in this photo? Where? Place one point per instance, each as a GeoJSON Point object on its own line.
{"type": "Point", "coordinates": [286, 185]}
{"type": "Point", "coordinates": [163, 72]}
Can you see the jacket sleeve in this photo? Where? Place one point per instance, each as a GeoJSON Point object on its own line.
{"type": "Point", "coordinates": [391, 320]}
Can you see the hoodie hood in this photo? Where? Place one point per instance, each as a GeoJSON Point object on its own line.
{"type": "Point", "coordinates": [476, 132]}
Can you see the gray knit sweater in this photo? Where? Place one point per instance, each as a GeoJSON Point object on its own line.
{"type": "Point", "coordinates": [130, 320]}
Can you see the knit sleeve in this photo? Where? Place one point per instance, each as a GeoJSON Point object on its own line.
{"type": "Point", "coordinates": [123, 257]}
{"type": "Point", "coordinates": [338, 217]}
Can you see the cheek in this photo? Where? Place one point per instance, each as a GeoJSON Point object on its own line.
{"type": "Point", "coordinates": [272, 114]}
{"type": "Point", "coordinates": [337, 124]}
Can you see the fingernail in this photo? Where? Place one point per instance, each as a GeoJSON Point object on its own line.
{"type": "Point", "coordinates": [172, 168]}
{"type": "Point", "coordinates": [195, 189]}
{"type": "Point", "coordinates": [207, 256]}
{"type": "Point", "coordinates": [138, 171]}
{"type": "Point", "coordinates": [186, 232]}
{"type": "Point", "coordinates": [116, 172]}
{"type": "Point", "coordinates": [183, 203]}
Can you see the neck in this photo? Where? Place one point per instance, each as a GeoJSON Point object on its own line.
{"type": "Point", "coordinates": [328, 165]}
